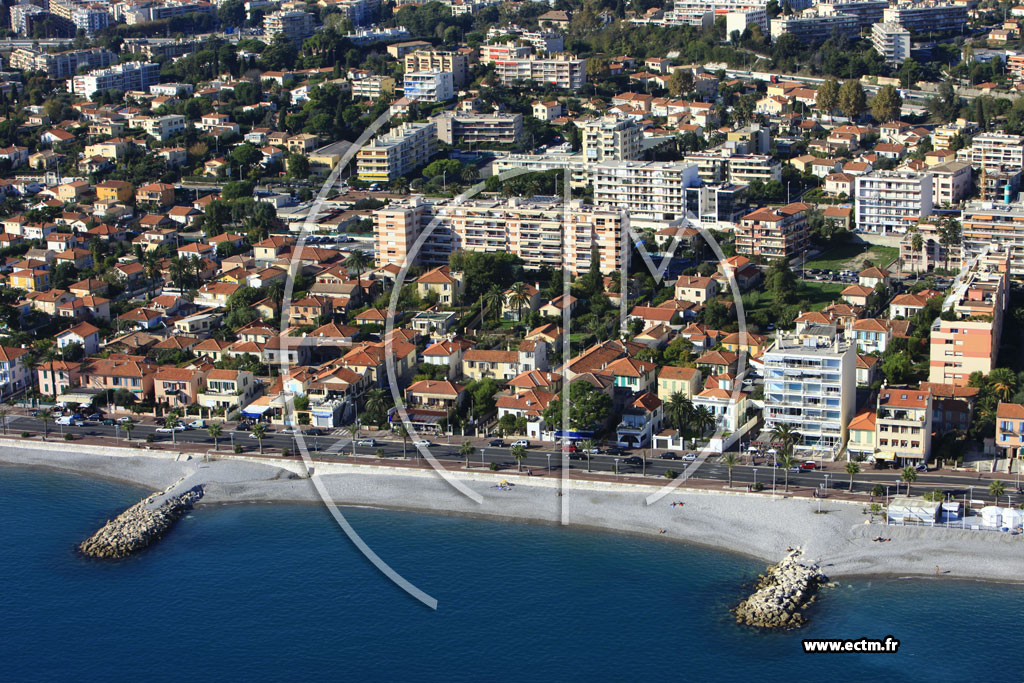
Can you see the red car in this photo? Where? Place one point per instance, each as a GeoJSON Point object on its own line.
{"type": "Point", "coordinates": [569, 448]}
{"type": "Point", "coordinates": [810, 465]}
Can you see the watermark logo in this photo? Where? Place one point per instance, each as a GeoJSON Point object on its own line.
{"type": "Point", "coordinates": [629, 237]}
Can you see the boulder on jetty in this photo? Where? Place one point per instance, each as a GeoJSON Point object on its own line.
{"type": "Point", "coordinates": [139, 525]}
{"type": "Point", "coordinates": [781, 594]}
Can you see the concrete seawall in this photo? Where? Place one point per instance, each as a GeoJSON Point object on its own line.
{"type": "Point", "coordinates": [141, 524]}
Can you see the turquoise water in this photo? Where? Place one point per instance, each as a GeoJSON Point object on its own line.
{"type": "Point", "coordinates": [276, 592]}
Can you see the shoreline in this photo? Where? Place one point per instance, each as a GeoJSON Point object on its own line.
{"type": "Point", "coordinates": [756, 527]}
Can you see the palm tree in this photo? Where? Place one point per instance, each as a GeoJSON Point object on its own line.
{"type": "Point", "coordinates": [787, 461]}
{"type": "Point", "coordinates": [467, 450]}
{"type": "Point", "coordinates": [909, 475]}
{"type": "Point", "coordinates": [50, 356]}
{"type": "Point", "coordinates": [376, 402]}
{"type": "Point", "coordinates": [492, 299]}
{"type": "Point", "coordinates": [259, 431]}
{"type": "Point", "coordinates": [353, 431]}
{"type": "Point", "coordinates": [215, 430]}
{"type": "Point", "coordinates": [402, 434]}
{"type": "Point", "coordinates": [178, 271]}
{"type": "Point", "coordinates": [852, 468]}
{"type": "Point", "coordinates": [128, 426]}
{"type": "Point", "coordinates": [519, 297]}
{"type": "Point", "coordinates": [519, 454]}
{"type": "Point", "coordinates": [1003, 382]}
{"type": "Point", "coordinates": [917, 246]}
{"type": "Point", "coordinates": [996, 488]}
{"type": "Point", "coordinates": [151, 263]}
{"type": "Point", "coordinates": [45, 416]}
{"type": "Point", "coordinates": [703, 420]}
{"type": "Point", "coordinates": [357, 261]}
{"type": "Point", "coordinates": [681, 410]}
{"type": "Point", "coordinates": [3, 419]}
{"type": "Point", "coordinates": [787, 437]}
{"type": "Point", "coordinates": [171, 422]}
{"type": "Point", "coordinates": [730, 460]}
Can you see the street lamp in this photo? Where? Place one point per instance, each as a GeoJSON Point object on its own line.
{"type": "Point", "coordinates": [755, 477]}
{"type": "Point", "coordinates": [616, 469]}
{"type": "Point", "coordinates": [482, 451]}
{"type": "Point", "coordinates": [549, 462]}
{"type": "Point", "coordinates": [775, 471]}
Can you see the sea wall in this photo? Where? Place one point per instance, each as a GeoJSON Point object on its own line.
{"type": "Point", "coordinates": [140, 525]}
{"type": "Point", "coordinates": [781, 594]}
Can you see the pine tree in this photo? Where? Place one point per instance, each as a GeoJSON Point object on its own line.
{"type": "Point", "coordinates": [827, 97]}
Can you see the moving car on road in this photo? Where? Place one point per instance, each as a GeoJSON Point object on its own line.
{"type": "Point", "coordinates": [521, 442]}
{"type": "Point", "coordinates": [367, 442]}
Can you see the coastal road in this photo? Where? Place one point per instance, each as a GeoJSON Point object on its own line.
{"type": "Point", "coordinates": [329, 447]}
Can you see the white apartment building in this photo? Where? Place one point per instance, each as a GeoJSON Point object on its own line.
{"type": "Point", "coordinates": [868, 12]}
{"type": "Point", "coordinates": [951, 183]}
{"type": "Point", "coordinates": [396, 153]}
{"type": "Point", "coordinates": [490, 53]}
{"type": "Point", "coordinates": [723, 165]}
{"type": "Point", "coordinates": [648, 190]}
{"type": "Point", "coordinates": [541, 40]}
{"type": "Point", "coordinates": [161, 127]}
{"type": "Point", "coordinates": [892, 41]}
{"type": "Point", "coordinates": [994, 151]}
{"type": "Point", "coordinates": [997, 227]}
{"type": "Point", "coordinates": [123, 77]}
{"type": "Point", "coordinates": [892, 201]}
{"type": "Point", "coordinates": [740, 19]}
{"type": "Point", "coordinates": [814, 28]}
{"type": "Point", "coordinates": [929, 16]}
{"type": "Point", "coordinates": [539, 230]}
{"type": "Point", "coordinates": [811, 385]}
{"type": "Point", "coordinates": [294, 25]}
{"type": "Point", "coordinates": [59, 65]}
{"type": "Point", "coordinates": [372, 87]}
{"type": "Point", "coordinates": [563, 71]}
{"type": "Point", "coordinates": [429, 86]}
{"type": "Point", "coordinates": [611, 138]}
{"type": "Point", "coordinates": [87, 17]}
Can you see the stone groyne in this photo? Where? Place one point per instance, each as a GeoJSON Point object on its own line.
{"type": "Point", "coordinates": [781, 594]}
{"type": "Point", "coordinates": [139, 525]}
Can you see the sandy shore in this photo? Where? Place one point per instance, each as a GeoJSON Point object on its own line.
{"type": "Point", "coordinates": [839, 540]}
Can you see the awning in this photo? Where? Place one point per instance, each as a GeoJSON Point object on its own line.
{"type": "Point", "coordinates": [885, 456]}
{"type": "Point", "coordinates": [255, 411]}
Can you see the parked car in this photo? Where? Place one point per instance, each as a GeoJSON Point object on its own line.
{"type": "Point", "coordinates": [579, 455]}
{"type": "Point", "coordinates": [108, 422]}
{"type": "Point", "coordinates": [168, 430]}
{"type": "Point", "coordinates": [70, 421]}
{"type": "Point", "coordinates": [809, 466]}
{"type": "Point", "coordinates": [594, 450]}
{"type": "Point", "coordinates": [689, 457]}
{"type": "Point", "coordinates": [921, 467]}
{"type": "Point", "coordinates": [569, 448]}
{"type": "Point", "coordinates": [615, 450]}
{"type": "Point", "coordinates": [367, 442]}
{"type": "Point", "coordinates": [671, 456]}
{"type": "Point", "coordinates": [95, 416]}
{"type": "Point", "coordinates": [634, 460]}
{"type": "Point", "coordinates": [496, 442]}
{"type": "Point", "coordinates": [521, 442]}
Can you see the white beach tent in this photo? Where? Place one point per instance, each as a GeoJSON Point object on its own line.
{"type": "Point", "coordinates": [1012, 517]}
{"type": "Point", "coordinates": [992, 516]}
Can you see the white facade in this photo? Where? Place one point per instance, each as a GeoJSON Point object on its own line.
{"type": "Point", "coordinates": [123, 77]}
{"type": "Point", "coordinates": [892, 201]}
{"type": "Point", "coordinates": [611, 138]}
{"type": "Point", "coordinates": [811, 384]}
{"type": "Point", "coordinates": [892, 41]}
{"type": "Point", "coordinates": [429, 86]}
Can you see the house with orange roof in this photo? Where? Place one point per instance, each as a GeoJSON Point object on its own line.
{"type": "Point", "coordinates": [158, 194]}
{"type": "Point", "coordinates": [861, 440]}
{"type": "Point", "coordinates": [907, 305]}
{"type": "Point", "coordinates": [227, 391]}
{"type": "Point", "coordinates": [177, 388]}
{"type": "Point", "coordinates": [873, 276]}
{"type": "Point", "coordinates": [215, 294]}
{"type": "Point", "coordinates": [429, 402]}
{"type": "Point", "coordinates": [641, 419]}
{"type": "Point", "coordinates": [442, 283]}
{"type": "Point", "coordinates": [448, 353]}
{"type": "Point", "coordinates": [857, 295]}
{"type": "Point", "coordinates": [631, 374]}
{"type": "Point", "coordinates": [526, 404]}
{"type": "Point", "coordinates": [673, 380]}
{"type": "Point", "coordinates": [726, 403]}
{"type": "Point", "coordinates": [718, 362]}
{"type": "Point", "coordinates": [370, 358]}
{"type": "Point", "coordinates": [57, 377]}
{"type": "Point", "coordinates": [140, 319]}
{"type": "Point", "coordinates": [871, 335]}
{"type": "Point", "coordinates": [130, 373]}
{"type": "Point", "coordinates": [867, 370]}
{"type": "Point", "coordinates": [211, 348]}
{"type": "Point", "coordinates": [903, 425]}
{"type": "Point", "coordinates": [695, 288]}
{"type": "Point", "coordinates": [84, 334]}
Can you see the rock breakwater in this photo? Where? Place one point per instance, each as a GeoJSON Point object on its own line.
{"type": "Point", "coordinates": [781, 594]}
{"type": "Point", "coordinates": [140, 525]}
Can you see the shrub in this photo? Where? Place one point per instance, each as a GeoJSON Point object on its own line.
{"type": "Point", "coordinates": [26, 435]}
{"type": "Point", "coordinates": [69, 437]}
{"type": "Point", "coordinates": [671, 474]}
{"type": "Point", "coordinates": [759, 486]}
{"type": "Point", "coordinates": [285, 452]}
{"type": "Point", "coordinates": [495, 467]}
{"type": "Point", "coordinates": [150, 438]}
{"type": "Point", "coordinates": [877, 490]}
{"type": "Point", "coordinates": [238, 448]}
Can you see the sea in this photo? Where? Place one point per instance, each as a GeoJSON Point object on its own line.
{"type": "Point", "coordinates": [272, 592]}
